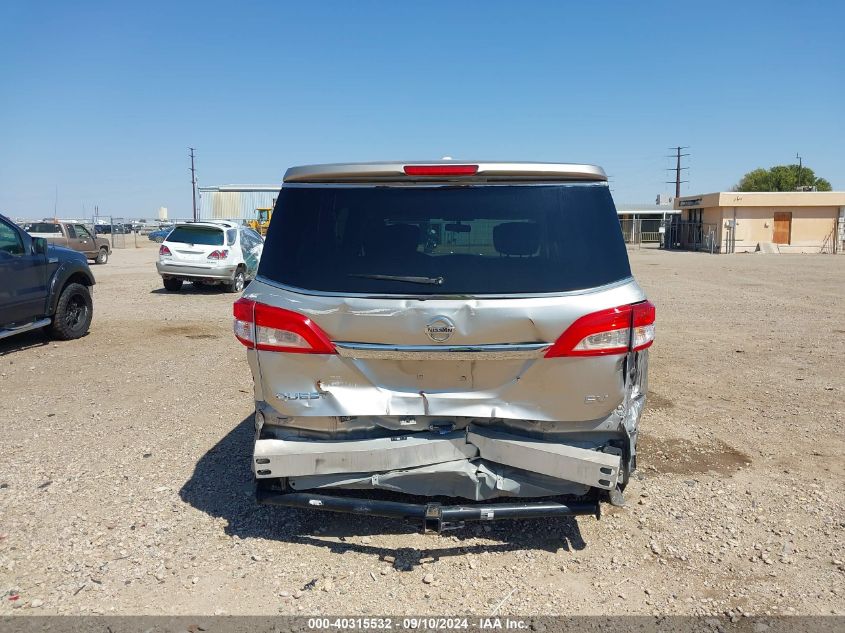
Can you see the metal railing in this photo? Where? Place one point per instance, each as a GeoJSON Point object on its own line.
{"type": "Point", "coordinates": [641, 231]}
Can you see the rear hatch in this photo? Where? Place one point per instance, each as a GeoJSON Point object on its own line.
{"type": "Point", "coordinates": [192, 244]}
{"type": "Point", "coordinates": [443, 299]}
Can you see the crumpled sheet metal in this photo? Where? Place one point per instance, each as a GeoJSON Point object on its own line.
{"type": "Point", "coordinates": [412, 460]}
{"type": "Point", "coordinates": [289, 458]}
{"type": "Point", "coordinates": [477, 480]}
{"type": "Point", "coordinates": [561, 461]}
{"type": "Point", "coordinates": [526, 390]}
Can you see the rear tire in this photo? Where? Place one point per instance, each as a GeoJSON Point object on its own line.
{"type": "Point", "coordinates": [238, 283]}
{"type": "Point", "coordinates": [172, 285]}
{"type": "Point", "coordinates": [102, 256]}
{"type": "Point", "coordinates": [74, 311]}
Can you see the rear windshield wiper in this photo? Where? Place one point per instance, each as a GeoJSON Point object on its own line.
{"type": "Point", "coordinates": [435, 281]}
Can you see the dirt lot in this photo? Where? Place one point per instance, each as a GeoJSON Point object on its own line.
{"type": "Point", "coordinates": [125, 483]}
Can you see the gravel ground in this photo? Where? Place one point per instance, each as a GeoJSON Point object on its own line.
{"type": "Point", "coordinates": [125, 484]}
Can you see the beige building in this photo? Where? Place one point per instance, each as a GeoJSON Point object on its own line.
{"type": "Point", "coordinates": [741, 221]}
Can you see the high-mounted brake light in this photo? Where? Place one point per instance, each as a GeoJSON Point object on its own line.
{"type": "Point", "coordinates": [218, 255]}
{"type": "Point", "coordinates": [163, 250]}
{"type": "Point", "coordinates": [441, 170]}
{"type": "Point", "coordinates": [613, 331]}
{"type": "Point", "coordinates": [267, 328]}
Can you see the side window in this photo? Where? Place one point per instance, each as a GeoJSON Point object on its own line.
{"type": "Point", "coordinates": [10, 241]}
{"type": "Point", "coordinates": [82, 232]}
{"type": "Point", "coordinates": [70, 232]}
{"type": "Point", "coordinates": [231, 236]}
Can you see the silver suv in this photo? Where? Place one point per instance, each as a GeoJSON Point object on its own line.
{"type": "Point", "coordinates": [446, 330]}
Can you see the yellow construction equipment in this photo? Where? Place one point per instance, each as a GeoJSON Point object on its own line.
{"type": "Point", "coordinates": [262, 221]}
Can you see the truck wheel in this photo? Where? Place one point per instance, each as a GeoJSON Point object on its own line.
{"type": "Point", "coordinates": [102, 256]}
{"type": "Point", "coordinates": [238, 283]}
{"type": "Point", "coordinates": [172, 284]}
{"type": "Point", "coordinates": [73, 313]}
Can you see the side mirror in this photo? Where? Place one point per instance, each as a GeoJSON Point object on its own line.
{"type": "Point", "coordinates": [39, 245]}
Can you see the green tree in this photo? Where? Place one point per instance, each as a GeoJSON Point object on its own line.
{"type": "Point", "coordinates": [781, 178]}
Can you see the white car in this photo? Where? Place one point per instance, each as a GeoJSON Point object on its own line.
{"type": "Point", "coordinates": [211, 252]}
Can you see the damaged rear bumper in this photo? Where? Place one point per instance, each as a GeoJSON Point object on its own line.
{"type": "Point", "coordinates": [476, 463]}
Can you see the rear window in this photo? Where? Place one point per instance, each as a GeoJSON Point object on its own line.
{"type": "Point", "coordinates": [42, 227]}
{"type": "Point", "coordinates": [497, 239]}
{"type": "Point", "coordinates": [208, 236]}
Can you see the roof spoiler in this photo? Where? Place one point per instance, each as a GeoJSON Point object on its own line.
{"type": "Point", "coordinates": [445, 170]}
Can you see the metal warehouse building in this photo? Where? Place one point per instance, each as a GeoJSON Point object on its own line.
{"type": "Point", "coordinates": [235, 202]}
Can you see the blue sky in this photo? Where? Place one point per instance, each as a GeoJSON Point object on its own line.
{"type": "Point", "coordinates": [102, 100]}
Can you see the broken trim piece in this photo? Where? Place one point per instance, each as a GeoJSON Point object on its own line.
{"type": "Point", "coordinates": [291, 458]}
{"type": "Point", "coordinates": [600, 470]}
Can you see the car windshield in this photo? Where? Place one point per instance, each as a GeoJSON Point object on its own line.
{"type": "Point", "coordinates": [42, 227]}
{"type": "Point", "coordinates": [206, 235]}
{"type": "Point", "coordinates": [490, 239]}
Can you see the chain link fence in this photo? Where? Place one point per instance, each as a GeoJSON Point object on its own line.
{"type": "Point", "coordinates": [113, 229]}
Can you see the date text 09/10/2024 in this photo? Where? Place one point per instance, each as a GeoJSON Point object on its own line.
{"type": "Point", "coordinates": [421, 623]}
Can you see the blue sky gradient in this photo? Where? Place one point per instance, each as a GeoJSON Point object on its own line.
{"type": "Point", "coordinates": [101, 100]}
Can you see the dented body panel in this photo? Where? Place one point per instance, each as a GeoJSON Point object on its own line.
{"type": "Point", "coordinates": [481, 383]}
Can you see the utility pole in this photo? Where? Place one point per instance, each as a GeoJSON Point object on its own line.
{"type": "Point", "coordinates": [193, 182]}
{"type": "Point", "coordinates": [800, 164]}
{"type": "Point", "coordinates": [677, 156]}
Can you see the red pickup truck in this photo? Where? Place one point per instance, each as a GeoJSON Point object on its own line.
{"type": "Point", "coordinates": [72, 235]}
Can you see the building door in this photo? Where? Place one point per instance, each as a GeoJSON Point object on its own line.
{"type": "Point", "coordinates": [783, 227]}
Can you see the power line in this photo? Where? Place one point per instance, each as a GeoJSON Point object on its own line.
{"type": "Point", "coordinates": [193, 182]}
{"type": "Point", "coordinates": [677, 156]}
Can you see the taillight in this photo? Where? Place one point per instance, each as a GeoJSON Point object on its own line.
{"type": "Point", "coordinates": [643, 322]}
{"type": "Point", "coordinates": [441, 170]}
{"type": "Point", "coordinates": [244, 311]}
{"type": "Point", "coordinates": [613, 331]}
{"type": "Point", "coordinates": [263, 327]}
{"type": "Point", "coordinates": [164, 251]}
{"type": "Point", "coordinates": [218, 255]}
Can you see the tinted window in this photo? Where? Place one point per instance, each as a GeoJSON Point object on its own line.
{"type": "Point", "coordinates": [197, 235]}
{"type": "Point", "coordinates": [42, 227]}
{"type": "Point", "coordinates": [231, 236]}
{"type": "Point", "coordinates": [502, 239]}
{"type": "Point", "coordinates": [10, 241]}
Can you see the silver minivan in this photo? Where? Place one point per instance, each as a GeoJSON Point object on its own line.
{"type": "Point", "coordinates": [466, 334]}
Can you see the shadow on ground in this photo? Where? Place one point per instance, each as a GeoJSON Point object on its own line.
{"type": "Point", "coordinates": [202, 289]}
{"type": "Point", "coordinates": [26, 340]}
{"type": "Point", "coordinates": [191, 289]}
{"type": "Point", "coordinates": [222, 486]}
